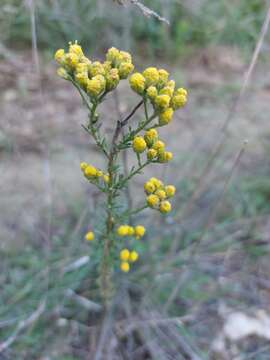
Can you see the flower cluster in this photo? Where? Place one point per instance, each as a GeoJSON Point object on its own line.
{"type": "Point", "coordinates": [155, 85]}
{"type": "Point", "coordinates": [93, 174]}
{"type": "Point", "coordinates": [127, 230]}
{"type": "Point", "coordinates": [127, 257]}
{"type": "Point", "coordinates": [156, 151]}
{"type": "Point", "coordinates": [157, 195]}
{"type": "Point", "coordinates": [95, 78]}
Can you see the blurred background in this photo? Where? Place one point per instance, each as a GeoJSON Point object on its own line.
{"type": "Point", "coordinates": [201, 289]}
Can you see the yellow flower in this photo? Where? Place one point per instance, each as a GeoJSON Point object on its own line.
{"type": "Point", "coordinates": [62, 73]}
{"type": "Point", "coordinates": [165, 207]}
{"type": "Point", "coordinates": [99, 173]}
{"type": "Point", "coordinates": [96, 85]}
{"type": "Point", "coordinates": [139, 144]}
{"type": "Point", "coordinates": [82, 79]}
{"type": "Point", "coordinates": [59, 56]}
{"type": "Point", "coordinates": [178, 101]}
{"type": "Point", "coordinates": [163, 77]}
{"type": "Point", "coordinates": [76, 49]}
{"type": "Point", "coordinates": [137, 83]}
{"type": "Point", "coordinates": [112, 79]}
{"type": "Point", "coordinates": [124, 254]}
{"type": "Point", "coordinates": [85, 60]}
{"type": "Point", "coordinates": [123, 230]}
{"type": "Point", "coordinates": [159, 146]}
{"type": "Point", "coordinates": [82, 68]}
{"type": "Point", "coordinates": [149, 187]}
{"type": "Point", "coordinates": [133, 256]}
{"type": "Point", "coordinates": [130, 230]}
{"type": "Point", "coordinates": [139, 231]}
{"type": "Point", "coordinates": [152, 200]}
{"type": "Point", "coordinates": [151, 154]}
{"type": "Point", "coordinates": [165, 116]}
{"type": "Point", "coordinates": [96, 68]}
{"type": "Point", "coordinates": [152, 92]}
{"type": "Point", "coordinates": [156, 182]}
{"type": "Point", "coordinates": [113, 55]}
{"type": "Point", "coordinates": [72, 60]}
{"type": "Point", "coordinates": [124, 266]}
{"type": "Point", "coordinates": [162, 102]}
{"type": "Point", "coordinates": [166, 91]}
{"type": "Point", "coordinates": [90, 171]}
{"type": "Point", "coordinates": [170, 190]}
{"type": "Point", "coordinates": [150, 136]}
{"type": "Point", "coordinates": [106, 178]}
{"type": "Point", "coordinates": [107, 65]}
{"type": "Point", "coordinates": [165, 157]}
{"type": "Point", "coordinates": [125, 69]}
{"type": "Point", "coordinates": [181, 91]}
{"type": "Point", "coordinates": [125, 56]}
{"type": "Point", "coordinates": [151, 76]}
{"type": "Point", "coordinates": [161, 194]}
{"type": "Point", "coordinates": [89, 236]}
{"type": "Point", "coordinates": [83, 165]}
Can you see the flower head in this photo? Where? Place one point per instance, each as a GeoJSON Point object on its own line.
{"type": "Point", "coordinates": [170, 190]}
{"type": "Point", "coordinates": [124, 255]}
{"type": "Point", "coordinates": [178, 101]}
{"type": "Point", "coordinates": [162, 102]}
{"type": "Point", "coordinates": [133, 256]}
{"type": "Point", "coordinates": [89, 236]}
{"type": "Point", "coordinates": [152, 92]}
{"type": "Point", "coordinates": [163, 77]}
{"type": "Point", "coordinates": [137, 83]}
{"type": "Point", "coordinates": [125, 69]}
{"type": "Point", "coordinates": [151, 76]}
{"type": "Point", "coordinates": [124, 266]}
{"type": "Point", "coordinates": [112, 79]}
{"type": "Point", "coordinates": [165, 207]}
{"type": "Point", "coordinates": [152, 200]}
{"type": "Point", "coordinates": [150, 136]}
{"type": "Point", "coordinates": [165, 116]}
{"type": "Point", "coordinates": [139, 231]}
{"type": "Point", "coordinates": [139, 144]}
{"type": "Point", "coordinates": [149, 187]}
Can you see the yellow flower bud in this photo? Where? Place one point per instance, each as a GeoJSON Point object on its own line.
{"type": "Point", "coordinates": [166, 91]}
{"type": "Point", "coordinates": [96, 85]}
{"type": "Point", "coordinates": [165, 116]}
{"type": "Point", "coordinates": [112, 79]}
{"type": "Point", "coordinates": [165, 207]}
{"type": "Point", "coordinates": [124, 255]}
{"type": "Point", "coordinates": [96, 68]}
{"type": "Point", "coordinates": [152, 200]}
{"type": "Point", "coordinates": [152, 92]}
{"type": "Point", "coordinates": [107, 65]}
{"type": "Point", "coordinates": [59, 56]}
{"type": "Point", "coordinates": [156, 182]}
{"type": "Point", "coordinates": [124, 266]}
{"type": "Point", "coordinates": [83, 165]}
{"type": "Point", "coordinates": [82, 68]}
{"type": "Point", "coordinates": [71, 60]}
{"type": "Point", "coordinates": [133, 256]}
{"type": "Point", "coordinates": [90, 171]}
{"type": "Point", "coordinates": [178, 101]}
{"type": "Point", "coordinates": [163, 77]}
{"type": "Point", "coordinates": [113, 55]}
{"type": "Point", "coordinates": [137, 83]}
{"type": "Point", "coordinates": [125, 69]}
{"type": "Point", "coordinates": [139, 145]}
{"type": "Point", "coordinates": [149, 187]}
{"type": "Point", "coordinates": [151, 154]}
{"type": "Point", "coordinates": [62, 73]}
{"type": "Point", "coordinates": [76, 49]}
{"type": "Point", "coordinates": [170, 190]}
{"type": "Point", "coordinates": [161, 194]}
{"type": "Point", "coordinates": [85, 60]}
{"type": "Point", "coordinates": [82, 79]}
{"type": "Point", "coordinates": [89, 236]}
{"type": "Point", "coordinates": [139, 230]}
{"type": "Point", "coordinates": [106, 178]}
{"type": "Point", "coordinates": [130, 230]}
{"type": "Point", "coordinates": [164, 157]}
{"type": "Point", "coordinates": [151, 76]}
{"type": "Point", "coordinates": [99, 173]}
{"type": "Point", "coordinates": [159, 146]}
{"type": "Point", "coordinates": [123, 230]}
{"type": "Point", "coordinates": [181, 91]}
{"type": "Point", "coordinates": [162, 102]}
{"type": "Point", "coordinates": [125, 56]}
{"type": "Point", "coordinates": [150, 136]}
